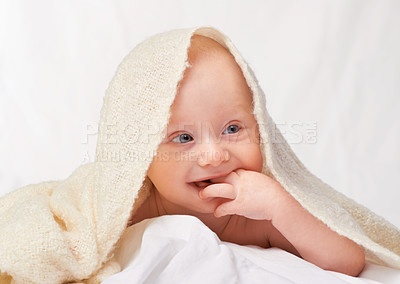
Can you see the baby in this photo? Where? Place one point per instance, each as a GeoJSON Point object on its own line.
{"type": "Point", "coordinates": [209, 166]}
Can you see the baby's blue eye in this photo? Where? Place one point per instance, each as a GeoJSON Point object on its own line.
{"type": "Point", "coordinates": [231, 129]}
{"type": "Point", "coordinates": [182, 138]}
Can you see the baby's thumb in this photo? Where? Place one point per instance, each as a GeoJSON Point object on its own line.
{"type": "Point", "coordinates": [226, 208]}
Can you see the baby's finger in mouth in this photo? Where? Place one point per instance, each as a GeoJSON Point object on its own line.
{"type": "Point", "coordinates": [224, 190]}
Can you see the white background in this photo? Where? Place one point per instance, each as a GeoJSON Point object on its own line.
{"type": "Point", "coordinates": [329, 68]}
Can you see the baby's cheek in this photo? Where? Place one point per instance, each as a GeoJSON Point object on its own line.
{"type": "Point", "coordinates": [164, 156]}
{"type": "Point", "coordinates": [253, 133]}
{"type": "Point", "coordinates": [160, 161]}
{"type": "Point", "coordinates": [255, 157]}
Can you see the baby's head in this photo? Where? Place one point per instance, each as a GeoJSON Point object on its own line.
{"type": "Point", "coordinates": [211, 132]}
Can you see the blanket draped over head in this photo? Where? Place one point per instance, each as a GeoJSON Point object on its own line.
{"type": "Point", "coordinates": [66, 231]}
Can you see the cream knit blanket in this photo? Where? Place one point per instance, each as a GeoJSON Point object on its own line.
{"type": "Point", "coordinates": [66, 231]}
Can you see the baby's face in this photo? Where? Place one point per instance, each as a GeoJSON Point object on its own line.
{"type": "Point", "coordinates": [211, 133]}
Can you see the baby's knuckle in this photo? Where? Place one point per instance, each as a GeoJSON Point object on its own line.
{"type": "Point", "coordinates": [239, 171]}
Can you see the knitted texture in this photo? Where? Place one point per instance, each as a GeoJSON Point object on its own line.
{"type": "Point", "coordinates": [66, 231]}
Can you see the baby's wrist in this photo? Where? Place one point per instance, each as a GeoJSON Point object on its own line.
{"type": "Point", "coordinates": [281, 204]}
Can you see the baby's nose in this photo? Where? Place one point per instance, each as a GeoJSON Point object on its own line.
{"type": "Point", "coordinates": [212, 155]}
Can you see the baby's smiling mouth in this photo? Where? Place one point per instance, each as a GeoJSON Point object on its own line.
{"type": "Point", "coordinates": [200, 184]}
{"type": "Point", "coordinates": [203, 183]}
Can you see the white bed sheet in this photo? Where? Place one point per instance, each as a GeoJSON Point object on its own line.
{"type": "Point", "coordinates": [181, 249]}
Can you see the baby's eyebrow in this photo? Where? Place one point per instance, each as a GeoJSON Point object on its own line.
{"type": "Point", "coordinates": [179, 125]}
{"type": "Point", "coordinates": [238, 112]}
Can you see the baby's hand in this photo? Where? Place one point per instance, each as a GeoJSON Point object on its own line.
{"type": "Point", "coordinates": [253, 194]}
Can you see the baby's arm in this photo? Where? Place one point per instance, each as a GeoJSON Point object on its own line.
{"type": "Point", "coordinates": [312, 239]}
{"type": "Point", "coordinates": [257, 196]}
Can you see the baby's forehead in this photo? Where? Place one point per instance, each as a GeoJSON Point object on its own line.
{"type": "Point", "coordinates": [203, 48]}
{"type": "Point", "coordinates": [212, 84]}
